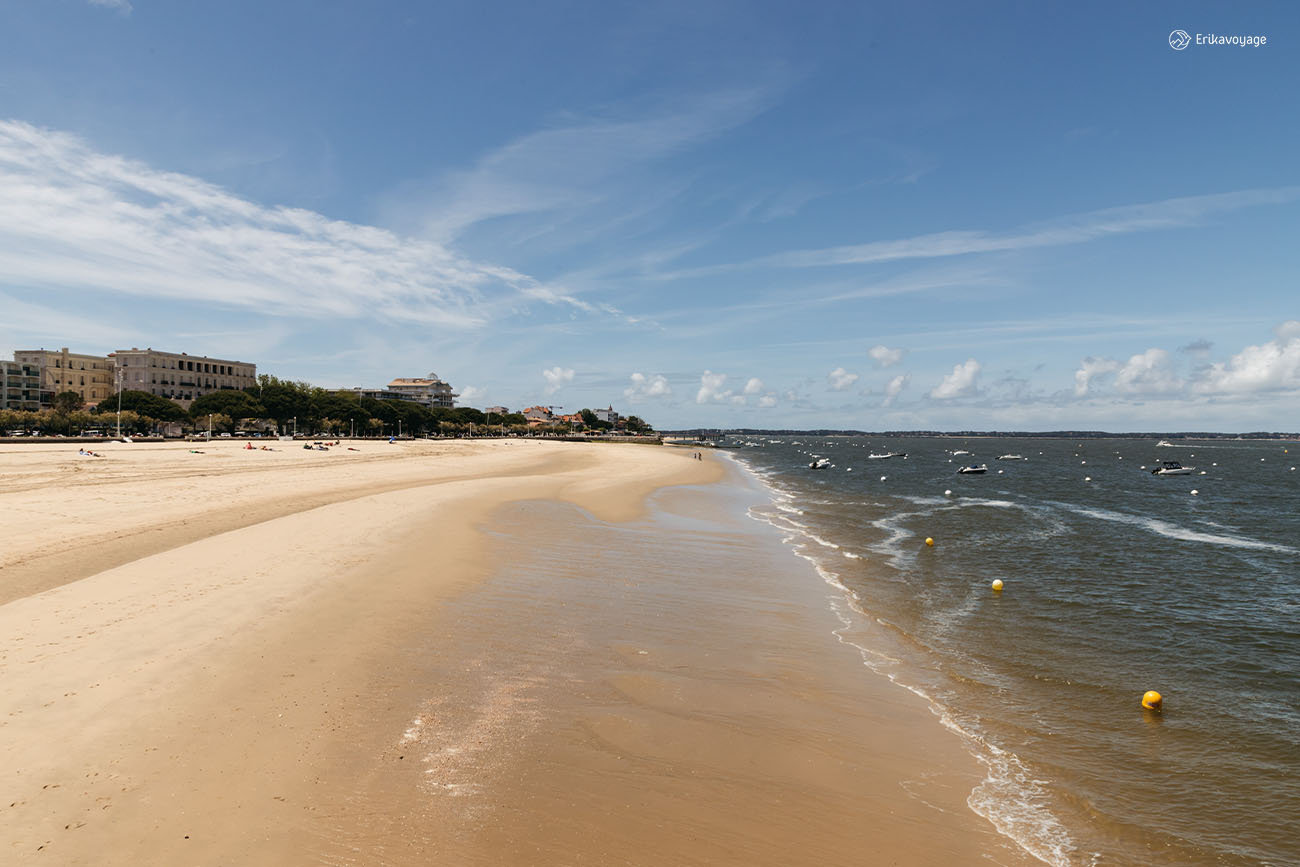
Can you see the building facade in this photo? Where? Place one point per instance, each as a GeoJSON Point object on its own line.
{"type": "Point", "coordinates": [607, 415]}
{"type": "Point", "coordinates": [20, 386]}
{"type": "Point", "coordinates": [430, 391]}
{"type": "Point", "coordinates": [538, 415]}
{"type": "Point", "coordinates": [90, 376]}
{"type": "Point", "coordinates": [178, 376]}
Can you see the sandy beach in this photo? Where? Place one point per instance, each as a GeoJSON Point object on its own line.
{"type": "Point", "coordinates": [471, 652]}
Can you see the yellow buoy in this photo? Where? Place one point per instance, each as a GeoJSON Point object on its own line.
{"type": "Point", "coordinates": [929, 541]}
{"type": "Point", "coordinates": [1151, 700]}
{"type": "Point", "coordinates": [997, 585]}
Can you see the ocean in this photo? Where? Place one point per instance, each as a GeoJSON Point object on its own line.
{"type": "Point", "coordinates": [1115, 582]}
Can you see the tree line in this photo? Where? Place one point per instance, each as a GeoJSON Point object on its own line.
{"type": "Point", "coordinates": [292, 407]}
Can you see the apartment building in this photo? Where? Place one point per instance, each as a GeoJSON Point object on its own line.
{"type": "Point", "coordinates": [538, 415]}
{"type": "Point", "coordinates": [90, 376]}
{"type": "Point", "coordinates": [20, 386]}
{"type": "Point", "coordinates": [179, 376]}
{"type": "Point", "coordinates": [430, 391]}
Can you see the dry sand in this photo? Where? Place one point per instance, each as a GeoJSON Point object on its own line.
{"type": "Point", "coordinates": [413, 654]}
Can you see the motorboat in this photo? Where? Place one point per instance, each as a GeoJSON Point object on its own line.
{"type": "Point", "coordinates": [1172, 468]}
{"type": "Point", "coordinates": [820, 464]}
{"type": "Point", "coordinates": [1164, 444]}
{"type": "Point", "coordinates": [974, 469]}
{"type": "Point", "coordinates": [887, 455]}
{"type": "Point", "coordinates": [960, 452]}
{"type": "Point", "coordinates": [1012, 458]}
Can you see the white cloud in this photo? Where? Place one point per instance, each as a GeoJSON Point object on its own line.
{"type": "Point", "coordinates": [895, 388]}
{"type": "Point", "coordinates": [754, 386]}
{"type": "Point", "coordinates": [574, 166]}
{"type": "Point", "coordinates": [72, 218]}
{"type": "Point", "coordinates": [470, 394]}
{"type": "Point", "coordinates": [840, 379]}
{"type": "Point", "coordinates": [1271, 366]}
{"type": "Point", "coordinates": [737, 400]}
{"type": "Point", "coordinates": [123, 6]}
{"type": "Point", "coordinates": [1147, 373]}
{"type": "Point", "coordinates": [961, 381]}
{"type": "Point", "coordinates": [556, 377]}
{"type": "Point", "coordinates": [1072, 229]}
{"type": "Point", "coordinates": [884, 356]}
{"type": "Point", "coordinates": [1089, 369]}
{"type": "Point", "coordinates": [767, 401]}
{"type": "Point", "coordinates": [711, 388]}
{"type": "Point", "coordinates": [643, 387]}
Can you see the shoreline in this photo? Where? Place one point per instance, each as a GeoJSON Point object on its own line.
{"type": "Point", "coordinates": [268, 694]}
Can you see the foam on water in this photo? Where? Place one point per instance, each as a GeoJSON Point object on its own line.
{"type": "Point", "coordinates": [1173, 531]}
{"type": "Point", "coordinates": [1009, 797]}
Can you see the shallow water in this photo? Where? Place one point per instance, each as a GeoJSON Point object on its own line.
{"type": "Point", "coordinates": [1116, 582]}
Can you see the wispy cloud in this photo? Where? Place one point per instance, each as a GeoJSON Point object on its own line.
{"type": "Point", "coordinates": [572, 165]}
{"type": "Point", "coordinates": [75, 218]}
{"type": "Point", "coordinates": [895, 388]}
{"type": "Point", "coordinates": [122, 6]}
{"type": "Point", "coordinates": [1073, 229]}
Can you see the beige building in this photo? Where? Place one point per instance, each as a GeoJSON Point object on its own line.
{"type": "Point", "coordinates": [179, 376]}
{"type": "Point", "coordinates": [430, 391]}
{"type": "Point", "coordinates": [90, 376]}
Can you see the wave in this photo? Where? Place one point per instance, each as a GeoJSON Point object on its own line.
{"type": "Point", "coordinates": [1173, 531]}
{"type": "Point", "coordinates": [1009, 796]}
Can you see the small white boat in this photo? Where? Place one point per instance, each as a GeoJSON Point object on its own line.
{"type": "Point", "coordinates": [1172, 468]}
{"type": "Point", "coordinates": [960, 452]}
{"type": "Point", "coordinates": [1012, 458]}
{"type": "Point", "coordinates": [820, 464]}
{"type": "Point", "coordinates": [1165, 444]}
{"type": "Point", "coordinates": [887, 455]}
{"type": "Point", "coordinates": [974, 468]}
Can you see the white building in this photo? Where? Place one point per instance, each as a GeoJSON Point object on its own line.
{"type": "Point", "coordinates": [430, 391]}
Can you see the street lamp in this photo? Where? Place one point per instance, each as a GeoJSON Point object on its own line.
{"type": "Point", "coordinates": [119, 403]}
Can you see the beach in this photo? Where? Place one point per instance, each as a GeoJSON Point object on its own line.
{"type": "Point", "coordinates": [465, 652]}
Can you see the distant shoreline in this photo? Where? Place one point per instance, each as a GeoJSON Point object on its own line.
{"type": "Point", "coordinates": [1281, 436]}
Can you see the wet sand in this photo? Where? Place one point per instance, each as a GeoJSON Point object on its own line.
{"type": "Point", "coordinates": [477, 653]}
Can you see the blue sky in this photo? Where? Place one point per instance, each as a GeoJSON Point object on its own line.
{"type": "Point", "coordinates": [890, 216]}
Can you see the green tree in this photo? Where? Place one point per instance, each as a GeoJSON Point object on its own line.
{"type": "Point", "coordinates": [142, 403]}
{"type": "Point", "coordinates": [284, 400]}
{"type": "Point", "coordinates": [236, 404]}
{"type": "Point", "coordinates": [68, 401]}
{"type": "Point", "coordinates": [589, 419]}
{"type": "Point", "coordinates": [636, 426]}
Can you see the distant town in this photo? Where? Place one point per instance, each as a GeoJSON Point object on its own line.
{"type": "Point", "coordinates": [145, 392]}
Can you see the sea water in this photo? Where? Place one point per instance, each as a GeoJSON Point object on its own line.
{"type": "Point", "coordinates": [1116, 581]}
